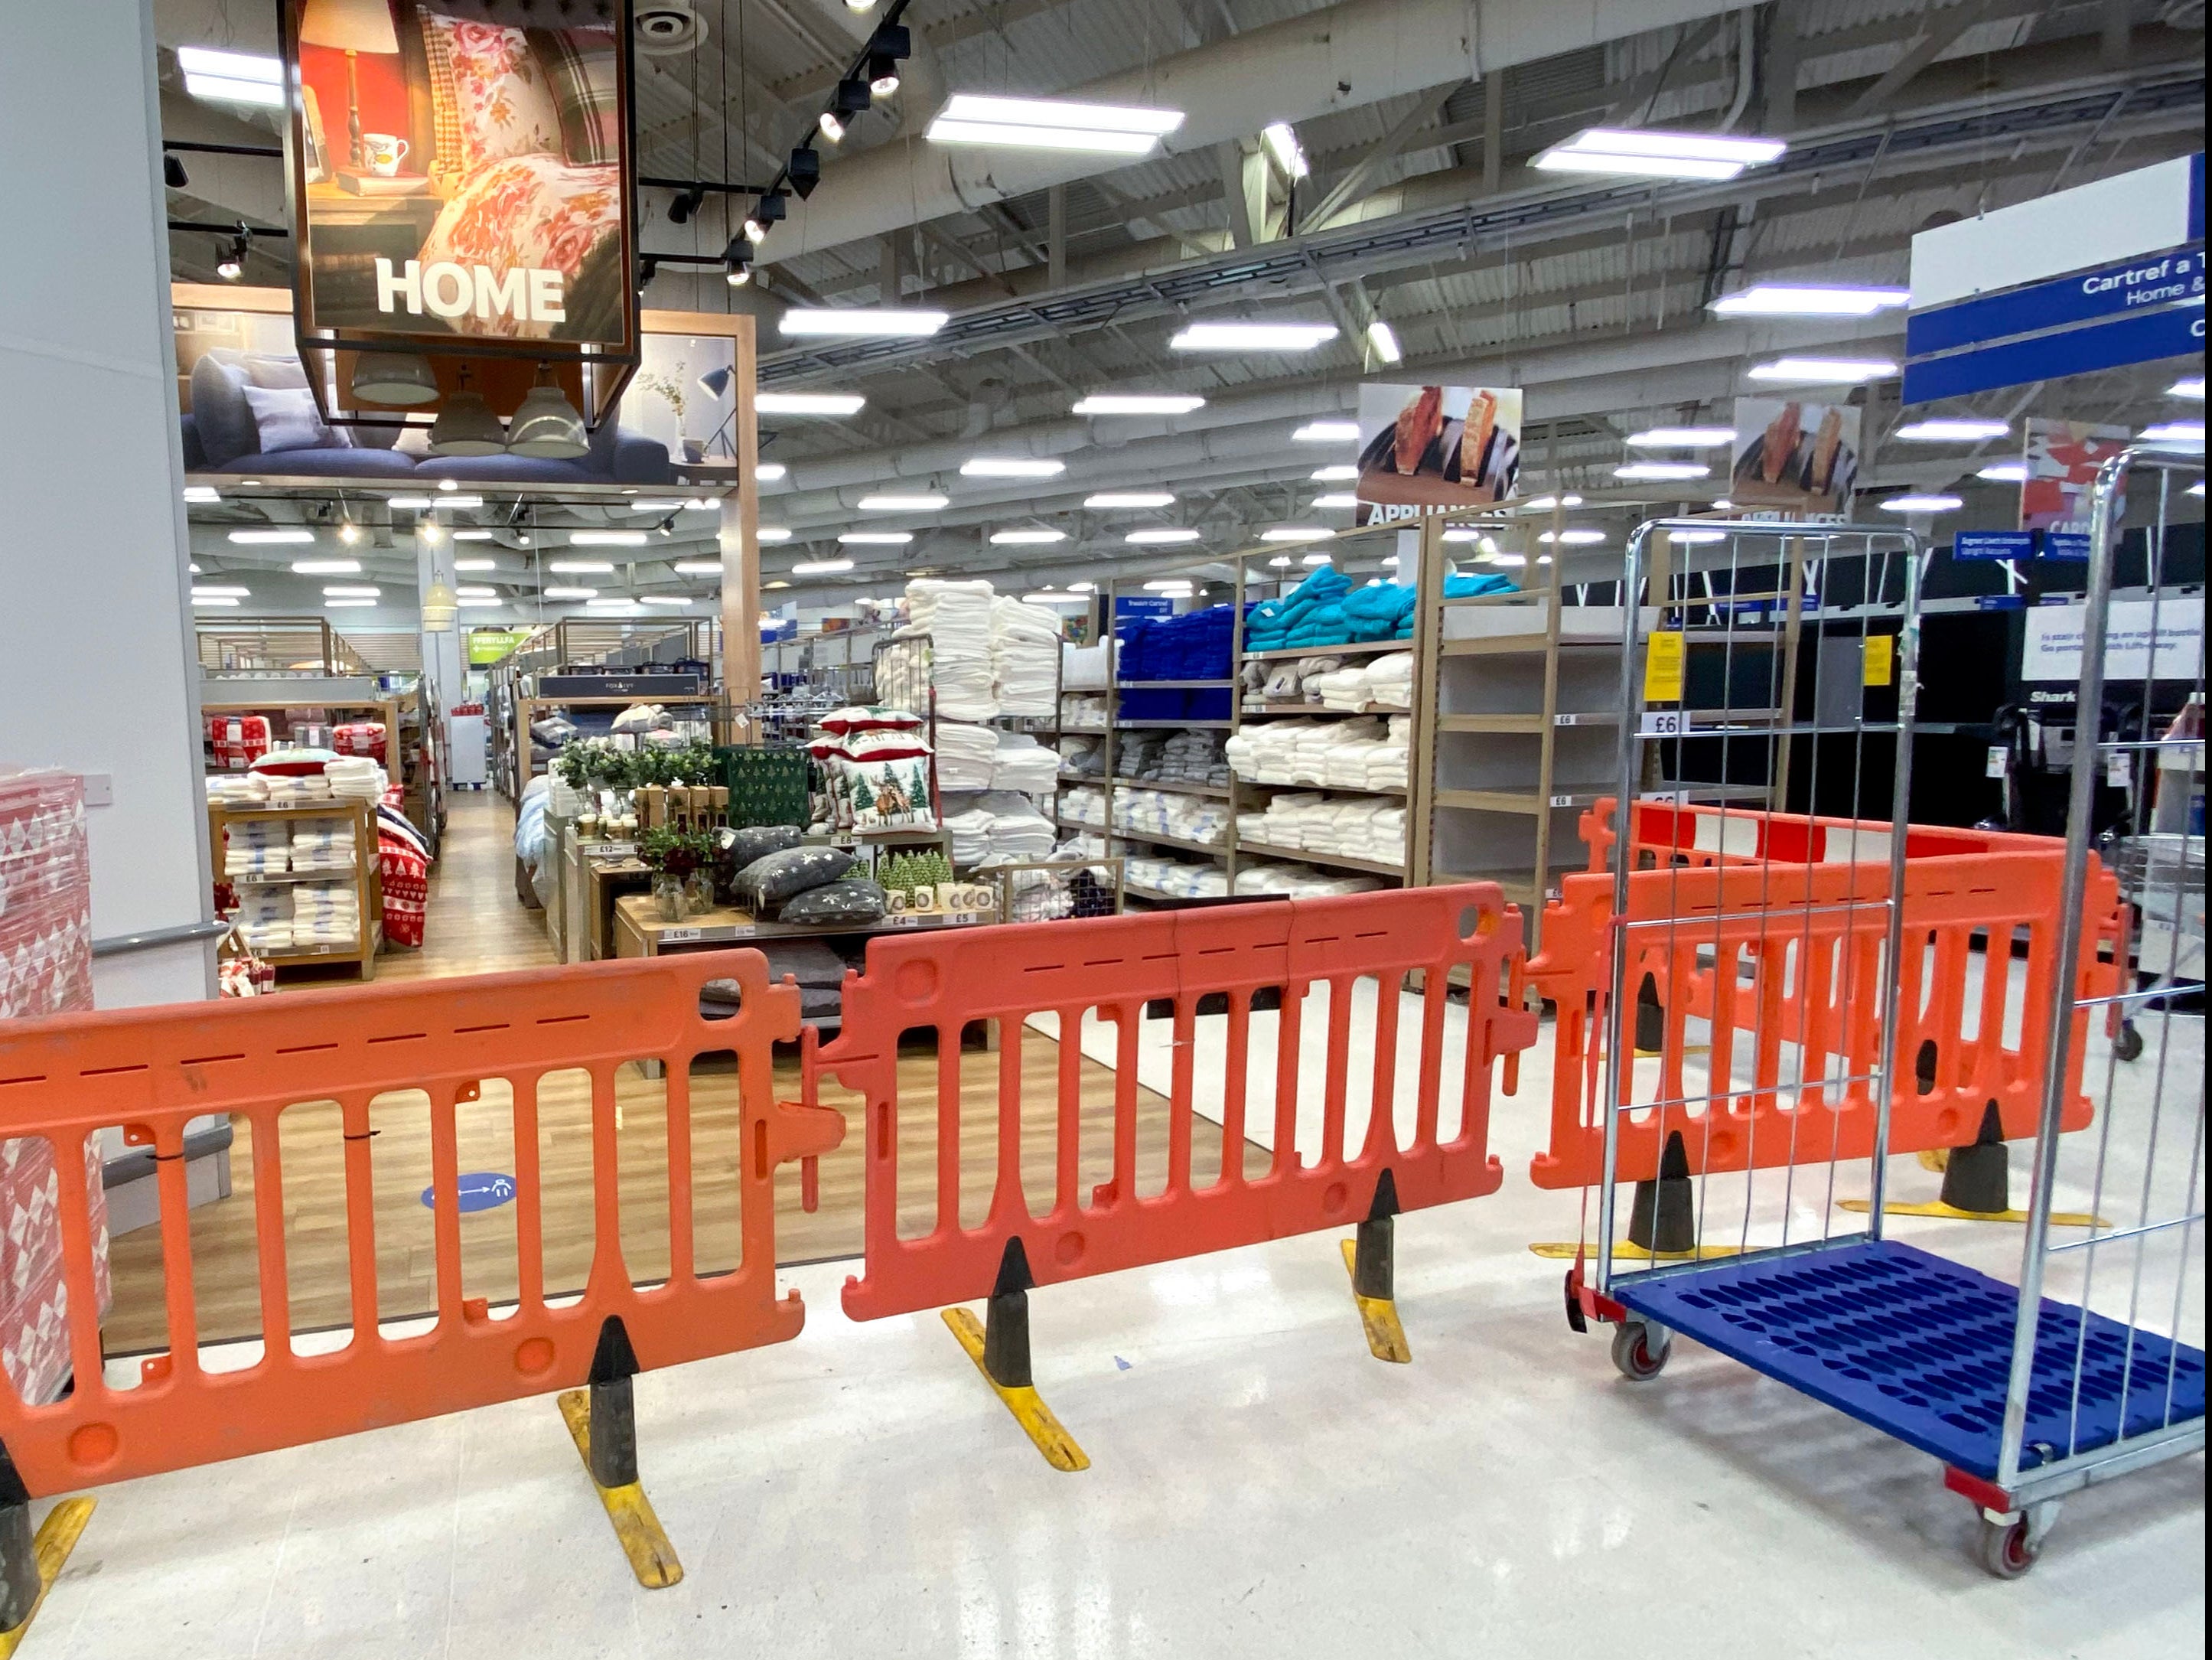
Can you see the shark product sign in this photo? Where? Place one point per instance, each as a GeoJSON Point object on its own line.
{"type": "Point", "coordinates": [461, 184]}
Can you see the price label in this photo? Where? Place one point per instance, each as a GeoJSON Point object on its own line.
{"type": "Point", "coordinates": [1880, 661]}
{"type": "Point", "coordinates": [679, 936]}
{"type": "Point", "coordinates": [1995, 766]}
{"type": "Point", "coordinates": [1662, 667]}
{"type": "Point", "coordinates": [1660, 723]}
{"type": "Point", "coordinates": [1562, 801]}
{"type": "Point", "coordinates": [2116, 774]}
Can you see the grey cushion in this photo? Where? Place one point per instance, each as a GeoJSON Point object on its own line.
{"type": "Point", "coordinates": [219, 410]}
{"type": "Point", "coordinates": [285, 418]}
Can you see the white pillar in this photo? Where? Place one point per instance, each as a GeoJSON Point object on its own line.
{"type": "Point", "coordinates": [97, 672]}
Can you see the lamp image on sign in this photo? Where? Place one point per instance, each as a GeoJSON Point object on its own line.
{"type": "Point", "coordinates": [455, 177]}
{"type": "Point", "coordinates": [1425, 448]}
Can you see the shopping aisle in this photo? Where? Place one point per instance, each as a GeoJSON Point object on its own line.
{"type": "Point", "coordinates": [475, 924]}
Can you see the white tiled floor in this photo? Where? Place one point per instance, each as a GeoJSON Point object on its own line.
{"type": "Point", "coordinates": [1260, 1486]}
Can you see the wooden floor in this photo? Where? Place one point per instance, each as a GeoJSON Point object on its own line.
{"type": "Point", "coordinates": [476, 925]}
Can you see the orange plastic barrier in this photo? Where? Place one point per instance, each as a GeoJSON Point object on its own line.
{"type": "Point", "coordinates": [1788, 956]}
{"type": "Point", "coordinates": [1666, 833]}
{"type": "Point", "coordinates": [153, 1070]}
{"type": "Point", "coordinates": [1116, 965]}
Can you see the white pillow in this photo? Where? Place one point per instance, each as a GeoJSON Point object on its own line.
{"type": "Point", "coordinates": [285, 418]}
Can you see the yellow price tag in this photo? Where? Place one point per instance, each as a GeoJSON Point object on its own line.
{"type": "Point", "coordinates": [1880, 660]}
{"type": "Point", "coordinates": [1662, 667]}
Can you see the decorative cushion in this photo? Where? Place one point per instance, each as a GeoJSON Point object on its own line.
{"type": "Point", "coordinates": [220, 411]}
{"type": "Point", "coordinates": [535, 212]}
{"type": "Point", "coordinates": [505, 107]}
{"type": "Point", "coordinates": [580, 69]}
{"type": "Point", "coordinates": [285, 418]}
{"type": "Point", "coordinates": [447, 165]}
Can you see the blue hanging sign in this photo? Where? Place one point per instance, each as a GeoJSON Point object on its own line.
{"type": "Point", "coordinates": [479, 1190]}
{"type": "Point", "coordinates": [1993, 544]}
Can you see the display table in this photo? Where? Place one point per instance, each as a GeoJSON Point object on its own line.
{"type": "Point", "coordinates": [639, 930]}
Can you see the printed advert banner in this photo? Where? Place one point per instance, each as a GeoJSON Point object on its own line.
{"type": "Point", "coordinates": [1790, 455]}
{"type": "Point", "coordinates": [2052, 648]}
{"type": "Point", "coordinates": [1423, 448]}
{"type": "Point", "coordinates": [2063, 459]}
{"type": "Point", "coordinates": [453, 177]}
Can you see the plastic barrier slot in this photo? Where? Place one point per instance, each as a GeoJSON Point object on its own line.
{"type": "Point", "coordinates": [1779, 960]}
{"type": "Point", "coordinates": [1195, 1194]}
{"type": "Point", "coordinates": [372, 1051]}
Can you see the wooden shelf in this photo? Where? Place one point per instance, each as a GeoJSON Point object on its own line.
{"type": "Point", "coordinates": [1395, 791]}
{"type": "Point", "coordinates": [1519, 645]}
{"type": "Point", "coordinates": [1219, 791]}
{"type": "Point", "coordinates": [1519, 724]}
{"type": "Point", "coordinates": [1307, 856]}
{"type": "Point", "coordinates": [1527, 801]}
{"type": "Point", "coordinates": [1351, 647]}
{"type": "Point", "coordinates": [1213, 849]}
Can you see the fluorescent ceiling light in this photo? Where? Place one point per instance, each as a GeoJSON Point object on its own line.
{"type": "Point", "coordinates": [1658, 155]}
{"type": "Point", "coordinates": [1252, 336]}
{"type": "Point", "coordinates": [202, 493]}
{"type": "Point", "coordinates": [1168, 584]}
{"type": "Point", "coordinates": [1138, 403]}
{"type": "Point", "coordinates": [468, 594]}
{"type": "Point", "coordinates": [1160, 535]}
{"type": "Point", "coordinates": [346, 605]}
{"type": "Point", "coordinates": [232, 78]}
{"type": "Point", "coordinates": [820, 567]}
{"type": "Point", "coordinates": [572, 593]}
{"type": "Point", "coordinates": [350, 591]}
{"type": "Point", "coordinates": [613, 605]}
{"type": "Point", "coordinates": [1051, 123]}
{"type": "Point", "coordinates": [1652, 471]}
{"type": "Point", "coordinates": [1336, 499]}
{"type": "Point", "coordinates": [1092, 587]}
{"type": "Point", "coordinates": [1921, 504]}
{"type": "Point", "coordinates": [1546, 503]}
{"type": "Point", "coordinates": [579, 566]}
{"type": "Point", "coordinates": [1026, 539]}
{"type": "Point", "coordinates": [655, 507]}
{"type": "Point", "coordinates": [772, 534]}
{"type": "Point", "coordinates": [478, 605]}
{"type": "Point", "coordinates": [1315, 559]}
{"type": "Point", "coordinates": [326, 567]}
{"type": "Point", "coordinates": [1281, 139]}
{"type": "Point", "coordinates": [252, 538]}
{"type": "Point", "coordinates": [2005, 472]}
{"type": "Point", "coordinates": [606, 538]}
{"type": "Point", "coordinates": [1010, 466]}
{"type": "Point", "coordinates": [1951, 430]}
{"type": "Point", "coordinates": [1824, 371]}
{"type": "Point", "coordinates": [1327, 432]}
{"type": "Point", "coordinates": [2165, 434]}
{"type": "Point", "coordinates": [1129, 499]}
{"type": "Point", "coordinates": [2191, 388]}
{"type": "Point", "coordinates": [808, 403]}
{"type": "Point", "coordinates": [876, 539]}
{"type": "Point", "coordinates": [1693, 538]}
{"type": "Point", "coordinates": [1463, 533]}
{"type": "Point", "coordinates": [428, 503]}
{"type": "Point", "coordinates": [769, 472]}
{"type": "Point", "coordinates": [213, 592]}
{"type": "Point", "coordinates": [1296, 533]}
{"type": "Point", "coordinates": [475, 564]}
{"type": "Point", "coordinates": [1574, 538]}
{"type": "Point", "coordinates": [662, 599]}
{"type": "Point", "coordinates": [472, 536]}
{"type": "Point", "coordinates": [862, 322]}
{"type": "Point", "coordinates": [698, 568]}
{"type": "Point", "coordinates": [1681, 438]}
{"type": "Point", "coordinates": [894, 502]}
{"type": "Point", "coordinates": [1810, 300]}
{"type": "Point", "coordinates": [1280, 562]}
{"type": "Point", "coordinates": [2196, 490]}
{"type": "Point", "coordinates": [216, 599]}
{"type": "Point", "coordinates": [1335, 475]}
{"type": "Point", "coordinates": [1384, 339]}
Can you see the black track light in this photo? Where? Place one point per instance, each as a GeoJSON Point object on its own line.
{"type": "Point", "coordinates": [686, 204]}
{"type": "Point", "coordinates": [891, 44]}
{"type": "Point", "coordinates": [852, 97]}
{"type": "Point", "coordinates": [172, 173]}
{"type": "Point", "coordinates": [648, 269]}
{"type": "Point", "coordinates": [230, 258]}
{"type": "Point", "coordinates": [738, 261]}
{"type": "Point", "coordinates": [804, 171]}
{"type": "Point", "coordinates": [767, 211]}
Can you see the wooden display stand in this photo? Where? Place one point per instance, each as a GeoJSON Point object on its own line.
{"type": "Point", "coordinates": [367, 882]}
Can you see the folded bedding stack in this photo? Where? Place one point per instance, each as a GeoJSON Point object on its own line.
{"type": "Point", "coordinates": [1085, 714]}
{"type": "Point", "coordinates": [1339, 754]}
{"type": "Point", "coordinates": [322, 844]}
{"type": "Point", "coordinates": [1302, 881]}
{"type": "Point", "coordinates": [264, 920]}
{"type": "Point", "coordinates": [967, 756]}
{"type": "Point", "coordinates": [1390, 680]}
{"type": "Point", "coordinates": [1021, 763]}
{"type": "Point", "coordinates": [1190, 758]}
{"type": "Point", "coordinates": [970, 830]}
{"type": "Point", "coordinates": [1083, 667]}
{"type": "Point", "coordinates": [1358, 829]}
{"type": "Point", "coordinates": [1024, 657]}
{"type": "Point", "coordinates": [1311, 614]}
{"type": "Point", "coordinates": [297, 789]}
{"type": "Point", "coordinates": [957, 618]}
{"type": "Point", "coordinates": [1082, 757]}
{"type": "Point", "coordinates": [1157, 812]}
{"type": "Point", "coordinates": [1292, 680]}
{"type": "Point", "coordinates": [1381, 610]}
{"type": "Point", "coordinates": [1083, 805]}
{"type": "Point", "coordinates": [1195, 645]}
{"type": "Point", "coordinates": [324, 914]}
{"type": "Point", "coordinates": [1341, 689]}
{"type": "Point", "coordinates": [1183, 881]}
{"type": "Point", "coordinates": [1309, 752]}
{"type": "Point", "coordinates": [257, 847]}
{"type": "Point", "coordinates": [997, 827]}
{"type": "Point", "coordinates": [355, 778]}
{"type": "Point", "coordinates": [237, 789]}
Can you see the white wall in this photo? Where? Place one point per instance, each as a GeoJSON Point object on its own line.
{"type": "Point", "coordinates": [94, 602]}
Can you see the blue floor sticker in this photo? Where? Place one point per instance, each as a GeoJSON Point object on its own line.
{"type": "Point", "coordinates": [481, 1189]}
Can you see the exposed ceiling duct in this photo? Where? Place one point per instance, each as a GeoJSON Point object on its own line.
{"type": "Point", "coordinates": [1347, 56]}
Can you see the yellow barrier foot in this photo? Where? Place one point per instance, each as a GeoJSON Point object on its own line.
{"type": "Point", "coordinates": [2059, 1218]}
{"type": "Point", "coordinates": [652, 1557]}
{"type": "Point", "coordinates": [1378, 1315]}
{"type": "Point", "coordinates": [602, 1423]}
{"type": "Point", "coordinates": [1022, 1400]}
{"type": "Point", "coordinates": [58, 1537]}
{"type": "Point", "coordinates": [1628, 1251]}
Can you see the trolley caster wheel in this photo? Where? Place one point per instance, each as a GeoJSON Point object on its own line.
{"type": "Point", "coordinates": [1633, 1355]}
{"type": "Point", "coordinates": [2129, 1044]}
{"type": "Point", "coordinates": [2006, 1548]}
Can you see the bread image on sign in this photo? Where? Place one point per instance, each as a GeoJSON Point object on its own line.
{"type": "Point", "coordinates": [1438, 446]}
{"type": "Point", "coordinates": [1791, 455]}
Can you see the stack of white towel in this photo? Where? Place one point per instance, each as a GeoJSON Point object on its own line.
{"type": "Point", "coordinates": [304, 789]}
{"type": "Point", "coordinates": [1184, 758]}
{"type": "Point", "coordinates": [257, 847]}
{"type": "Point", "coordinates": [322, 844]}
{"type": "Point", "coordinates": [957, 618]}
{"type": "Point", "coordinates": [1024, 656]}
{"type": "Point", "coordinates": [1311, 748]}
{"type": "Point", "coordinates": [1021, 763]}
{"type": "Point", "coordinates": [997, 827]}
{"type": "Point", "coordinates": [1083, 714]}
{"type": "Point", "coordinates": [324, 914]}
{"type": "Point", "coordinates": [264, 919]}
{"type": "Point", "coordinates": [1159, 812]}
{"type": "Point", "coordinates": [1173, 877]}
{"type": "Point", "coordinates": [355, 778]}
{"type": "Point", "coordinates": [1342, 754]}
{"type": "Point", "coordinates": [1301, 881]}
{"type": "Point", "coordinates": [237, 789]}
{"type": "Point", "coordinates": [1083, 805]}
{"type": "Point", "coordinates": [1390, 681]}
{"type": "Point", "coordinates": [1082, 757]}
{"type": "Point", "coordinates": [967, 756]}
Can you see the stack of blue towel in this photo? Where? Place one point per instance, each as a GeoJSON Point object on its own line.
{"type": "Point", "coordinates": [1195, 645]}
{"type": "Point", "coordinates": [1326, 610]}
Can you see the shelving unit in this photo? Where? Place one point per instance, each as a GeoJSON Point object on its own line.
{"type": "Point", "coordinates": [415, 755]}
{"type": "Point", "coordinates": [367, 884]}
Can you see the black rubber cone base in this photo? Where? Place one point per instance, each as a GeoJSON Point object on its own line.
{"type": "Point", "coordinates": [1977, 1178]}
{"type": "Point", "coordinates": [1663, 1219]}
{"type": "Point", "coordinates": [1651, 1018]}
